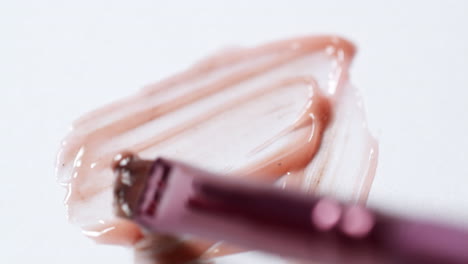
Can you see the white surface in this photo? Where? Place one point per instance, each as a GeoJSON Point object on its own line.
{"type": "Point", "coordinates": [59, 59]}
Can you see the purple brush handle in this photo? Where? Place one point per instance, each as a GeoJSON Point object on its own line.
{"type": "Point", "coordinates": [180, 199]}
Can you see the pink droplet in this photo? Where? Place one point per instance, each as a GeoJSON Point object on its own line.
{"type": "Point", "coordinates": [326, 214]}
{"type": "Point", "coordinates": [357, 221]}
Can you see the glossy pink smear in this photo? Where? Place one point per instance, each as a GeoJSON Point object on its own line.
{"type": "Point", "coordinates": [283, 112]}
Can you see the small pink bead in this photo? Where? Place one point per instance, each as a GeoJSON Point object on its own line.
{"type": "Point", "coordinates": [326, 214]}
{"type": "Point", "coordinates": [357, 221]}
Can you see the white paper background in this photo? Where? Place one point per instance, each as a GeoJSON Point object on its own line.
{"type": "Point", "coordinates": [59, 59]}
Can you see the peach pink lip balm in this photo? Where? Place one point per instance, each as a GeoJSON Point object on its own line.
{"type": "Point", "coordinates": [166, 196]}
{"type": "Point", "coordinates": [285, 111]}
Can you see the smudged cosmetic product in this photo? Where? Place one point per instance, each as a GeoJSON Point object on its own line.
{"type": "Point", "coordinates": [283, 113]}
{"type": "Point", "coordinates": [165, 196]}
